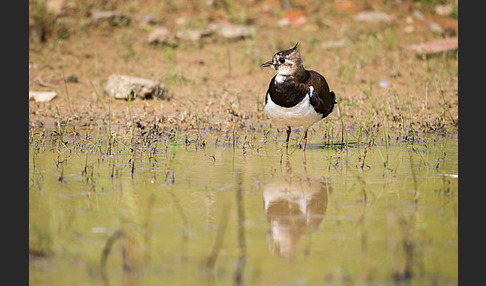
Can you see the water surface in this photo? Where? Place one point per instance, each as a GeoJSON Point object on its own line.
{"type": "Point", "coordinates": [186, 213]}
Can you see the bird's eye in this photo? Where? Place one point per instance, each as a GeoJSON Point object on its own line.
{"type": "Point", "coordinates": [281, 60]}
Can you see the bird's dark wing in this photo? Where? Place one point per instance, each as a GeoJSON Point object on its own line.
{"type": "Point", "coordinates": [323, 100]}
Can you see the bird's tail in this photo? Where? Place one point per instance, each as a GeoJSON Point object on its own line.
{"type": "Point", "coordinates": [333, 101]}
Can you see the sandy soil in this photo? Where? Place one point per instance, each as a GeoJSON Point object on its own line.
{"type": "Point", "coordinates": [216, 83]}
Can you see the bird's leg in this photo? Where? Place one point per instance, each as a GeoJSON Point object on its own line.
{"type": "Point", "coordinates": [288, 136]}
{"type": "Point", "coordinates": [304, 141]}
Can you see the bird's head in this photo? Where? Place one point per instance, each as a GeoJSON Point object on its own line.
{"type": "Point", "coordinates": [285, 62]}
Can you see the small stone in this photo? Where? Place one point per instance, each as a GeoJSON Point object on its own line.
{"type": "Point", "coordinates": [162, 36]}
{"type": "Point", "coordinates": [436, 46]}
{"type": "Point", "coordinates": [372, 16]}
{"type": "Point", "coordinates": [418, 15]}
{"type": "Point", "coordinates": [147, 20]}
{"type": "Point", "coordinates": [181, 21]}
{"type": "Point", "coordinates": [443, 10]}
{"type": "Point", "coordinates": [383, 83]}
{"type": "Point", "coordinates": [435, 28]}
{"type": "Point", "coordinates": [55, 6]}
{"type": "Point", "coordinates": [193, 35]}
{"type": "Point", "coordinates": [283, 22]}
{"type": "Point", "coordinates": [231, 31]}
{"type": "Point", "coordinates": [120, 87]}
{"type": "Point", "coordinates": [114, 18]}
{"type": "Point", "coordinates": [42, 96]}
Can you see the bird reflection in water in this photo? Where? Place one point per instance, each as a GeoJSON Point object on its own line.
{"type": "Point", "coordinates": [293, 203]}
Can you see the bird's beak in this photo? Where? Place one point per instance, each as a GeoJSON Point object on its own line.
{"type": "Point", "coordinates": [267, 64]}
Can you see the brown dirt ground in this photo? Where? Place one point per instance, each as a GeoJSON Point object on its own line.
{"type": "Point", "coordinates": [215, 83]}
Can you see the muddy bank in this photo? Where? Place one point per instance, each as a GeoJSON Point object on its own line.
{"type": "Point", "coordinates": [215, 83]}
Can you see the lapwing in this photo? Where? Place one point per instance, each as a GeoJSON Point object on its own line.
{"type": "Point", "coordinates": [296, 96]}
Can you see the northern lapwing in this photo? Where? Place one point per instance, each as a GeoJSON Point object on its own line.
{"type": "Point", "coordinates": [296, 96]}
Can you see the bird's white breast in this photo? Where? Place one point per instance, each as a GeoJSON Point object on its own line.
{"type": "Point", "coordinates": [302, 114]}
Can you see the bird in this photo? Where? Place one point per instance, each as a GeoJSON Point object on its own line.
{"type": "Point", "coordinates": [296, 97]}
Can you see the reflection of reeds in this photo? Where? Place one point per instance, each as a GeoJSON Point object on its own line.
{"type": "Point", "coordinates": [240, 265]}
{"type": "Point", "coordinates": [41, 243]}
{"type": "Point", "coordinates": [129, 262]}
{"type": "Point", "coordinates": [414, 176]}
{"type": "Point", "coordinates": [362, 182]}
{"type": "Point", "coordinates": [147, 226]}
{"type": "Point", "coordinates": [392, 242]}
{"type": "Point", "coordinates": [218, 242]}
{"type": "Point", "coordinates": [402, 271]}
{"type": "Point", "coordinates": [179, 209]}
{"type": "Point", "coordinates": [107, 250]}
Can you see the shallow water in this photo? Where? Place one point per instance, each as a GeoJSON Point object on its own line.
{"type": "Point", "coordinates": [211, 214]}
